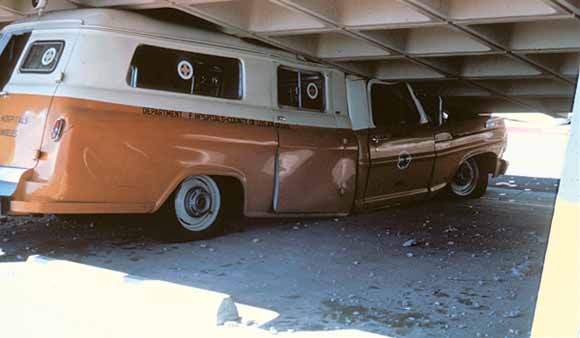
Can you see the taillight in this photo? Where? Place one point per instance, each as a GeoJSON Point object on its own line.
{"type": "Point", "coordinates": [57, 129]}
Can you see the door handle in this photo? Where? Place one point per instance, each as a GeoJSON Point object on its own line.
{"type": "Point", "coordinates": [442, 137]}
{"type": "Point", "coordinates": [378, 139]}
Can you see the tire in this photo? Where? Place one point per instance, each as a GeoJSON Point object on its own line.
{"type": "Point", "coordinates": [470, 181]}
{"type": "Point", "coordinates": [195, 212]}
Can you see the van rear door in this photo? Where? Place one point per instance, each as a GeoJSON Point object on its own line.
{"type": "Point", "coordinates": [28, 66]}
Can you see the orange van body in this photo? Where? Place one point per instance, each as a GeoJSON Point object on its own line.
{"type": "Point", "coordinates": [88, 142]}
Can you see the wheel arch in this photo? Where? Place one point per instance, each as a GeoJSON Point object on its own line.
{"type": "Point", "coordinates": [230, 182]}
{"type": "Point", "coordinates": [487, 161]}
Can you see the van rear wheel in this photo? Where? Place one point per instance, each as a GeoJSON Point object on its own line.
{"type": "Point", "coordinates": [470, 181]}
{"type": "Point", "coordinates": [197, 208]}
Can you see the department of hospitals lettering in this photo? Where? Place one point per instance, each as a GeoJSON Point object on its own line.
{"type": "Point", "coordinates": [206, 117]}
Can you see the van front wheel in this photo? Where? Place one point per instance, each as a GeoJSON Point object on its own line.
{"type": "Point", "coordinates": [198, 209]}
{"type": "Point", "coordinates": [470, 181]}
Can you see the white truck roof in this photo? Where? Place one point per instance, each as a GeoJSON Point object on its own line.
{"type": "Point", "coordinates": [134, 22]}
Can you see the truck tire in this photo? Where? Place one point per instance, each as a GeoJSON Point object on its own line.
{"type": "Point", "coordinates": [195, 212]}
{"type": "Point", "coordinates": [470, 181]}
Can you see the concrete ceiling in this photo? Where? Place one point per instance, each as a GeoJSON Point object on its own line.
{"type": "Point", "coordinates": [493, 55]}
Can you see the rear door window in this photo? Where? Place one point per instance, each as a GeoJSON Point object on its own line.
{"type": "Point", "coordinates": [185, 72]}
{"type": "Point", "coordinates": [42, 57]}
{"type": "Point", "coordinates": [11, 46]}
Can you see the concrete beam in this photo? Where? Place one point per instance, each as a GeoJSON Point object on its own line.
{"type": "Point", "coordinates": [333, 46]}
{"type": "Point", "coordinates": [361, 14]}
{"type": "Point", "coordinates": [435, 40]}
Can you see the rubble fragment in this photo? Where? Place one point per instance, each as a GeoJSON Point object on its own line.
{"type": "Point", "coordinates": [524, 269]}
{"type": "Point", "coordinates": [513, 314]}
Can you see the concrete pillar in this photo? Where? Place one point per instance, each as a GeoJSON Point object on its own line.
{"type": "Point", "coordinates": [558, 306]}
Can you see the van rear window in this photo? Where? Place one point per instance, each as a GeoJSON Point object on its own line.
{"type": "Point", "coordinates": [185, 72]}
{"type": "Point", "coordinates": [42, 57]}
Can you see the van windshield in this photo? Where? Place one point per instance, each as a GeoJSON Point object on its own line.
{"type": "Point", "coordinates": [11, 47]}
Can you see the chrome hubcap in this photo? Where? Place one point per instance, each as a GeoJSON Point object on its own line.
{"type": "Point", "coordinates": [198, 202]}
{"type": "Point", "coordinates": [465, 175]}
{"type": "Point", "coordinates": [465, 181]}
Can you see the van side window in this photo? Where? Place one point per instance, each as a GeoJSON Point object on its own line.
{"type": "Point", "coordinates": [42, 57]}
{"type": "Point", "coordinates": [11, 47]}
{"type": "Point", "coordinates": [393, 106]}
{"type": "Point", "coordinates": [301, 89]}
{"type": "Point", "coordinates": [185, 72]}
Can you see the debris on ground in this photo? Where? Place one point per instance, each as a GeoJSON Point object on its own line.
{"type": "Point", "coordinates": [513, 314]}
{"type": "Point", "coordinates": [450, 229]}
{"type": "Point", "coordinates": [506, 184]}
{"type": "Point", "coordinates": [525, 269]}
{"type": "Point", "coordinates": [410, 243]}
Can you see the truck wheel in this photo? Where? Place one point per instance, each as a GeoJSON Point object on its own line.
{"type": "Point", "coordinates": [469, 181]}
{"type": "Point", "coordinates": [197, 208]}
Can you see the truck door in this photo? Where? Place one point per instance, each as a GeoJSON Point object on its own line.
{"type": "Point", "coordinates": [314, 171]}
{"type": "Point", "coordinates": [31, 67]}
{"type": "Point", "coordinates": [401, 145]}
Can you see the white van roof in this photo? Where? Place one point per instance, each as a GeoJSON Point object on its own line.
{"type": "Point", "coordinates": [133, 22]}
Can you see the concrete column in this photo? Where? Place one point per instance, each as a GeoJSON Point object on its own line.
{"type": "Point", "coordinates": [558, 306]}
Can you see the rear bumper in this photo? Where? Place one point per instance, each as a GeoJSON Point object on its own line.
{"type": "Point", "coordinates": [9, 180]}
{"type": "Point", "coordinates": [25, 208]}
{"type": "Point", "coordinates": [15, 179]}
{"type": "Point", "coordinates": [501, 168]}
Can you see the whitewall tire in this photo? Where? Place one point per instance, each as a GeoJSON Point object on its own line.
{"type": "Point", "coordinates": [197, 208]}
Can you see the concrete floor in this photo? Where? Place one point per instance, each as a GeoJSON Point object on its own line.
{"type": "Point", "coordinates": [474, 271]}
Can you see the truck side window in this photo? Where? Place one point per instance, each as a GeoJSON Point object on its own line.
{"type": "Point", "coordinates": [11, 47]}
{"type": "Point", "coordinates": [300, 89]}
{"type": "Point", "coordinates": [433, 106]}
{"type": "Point", "coordinates": [185, 72]}
{"type": "Point", "coordinates": [393, 106]}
